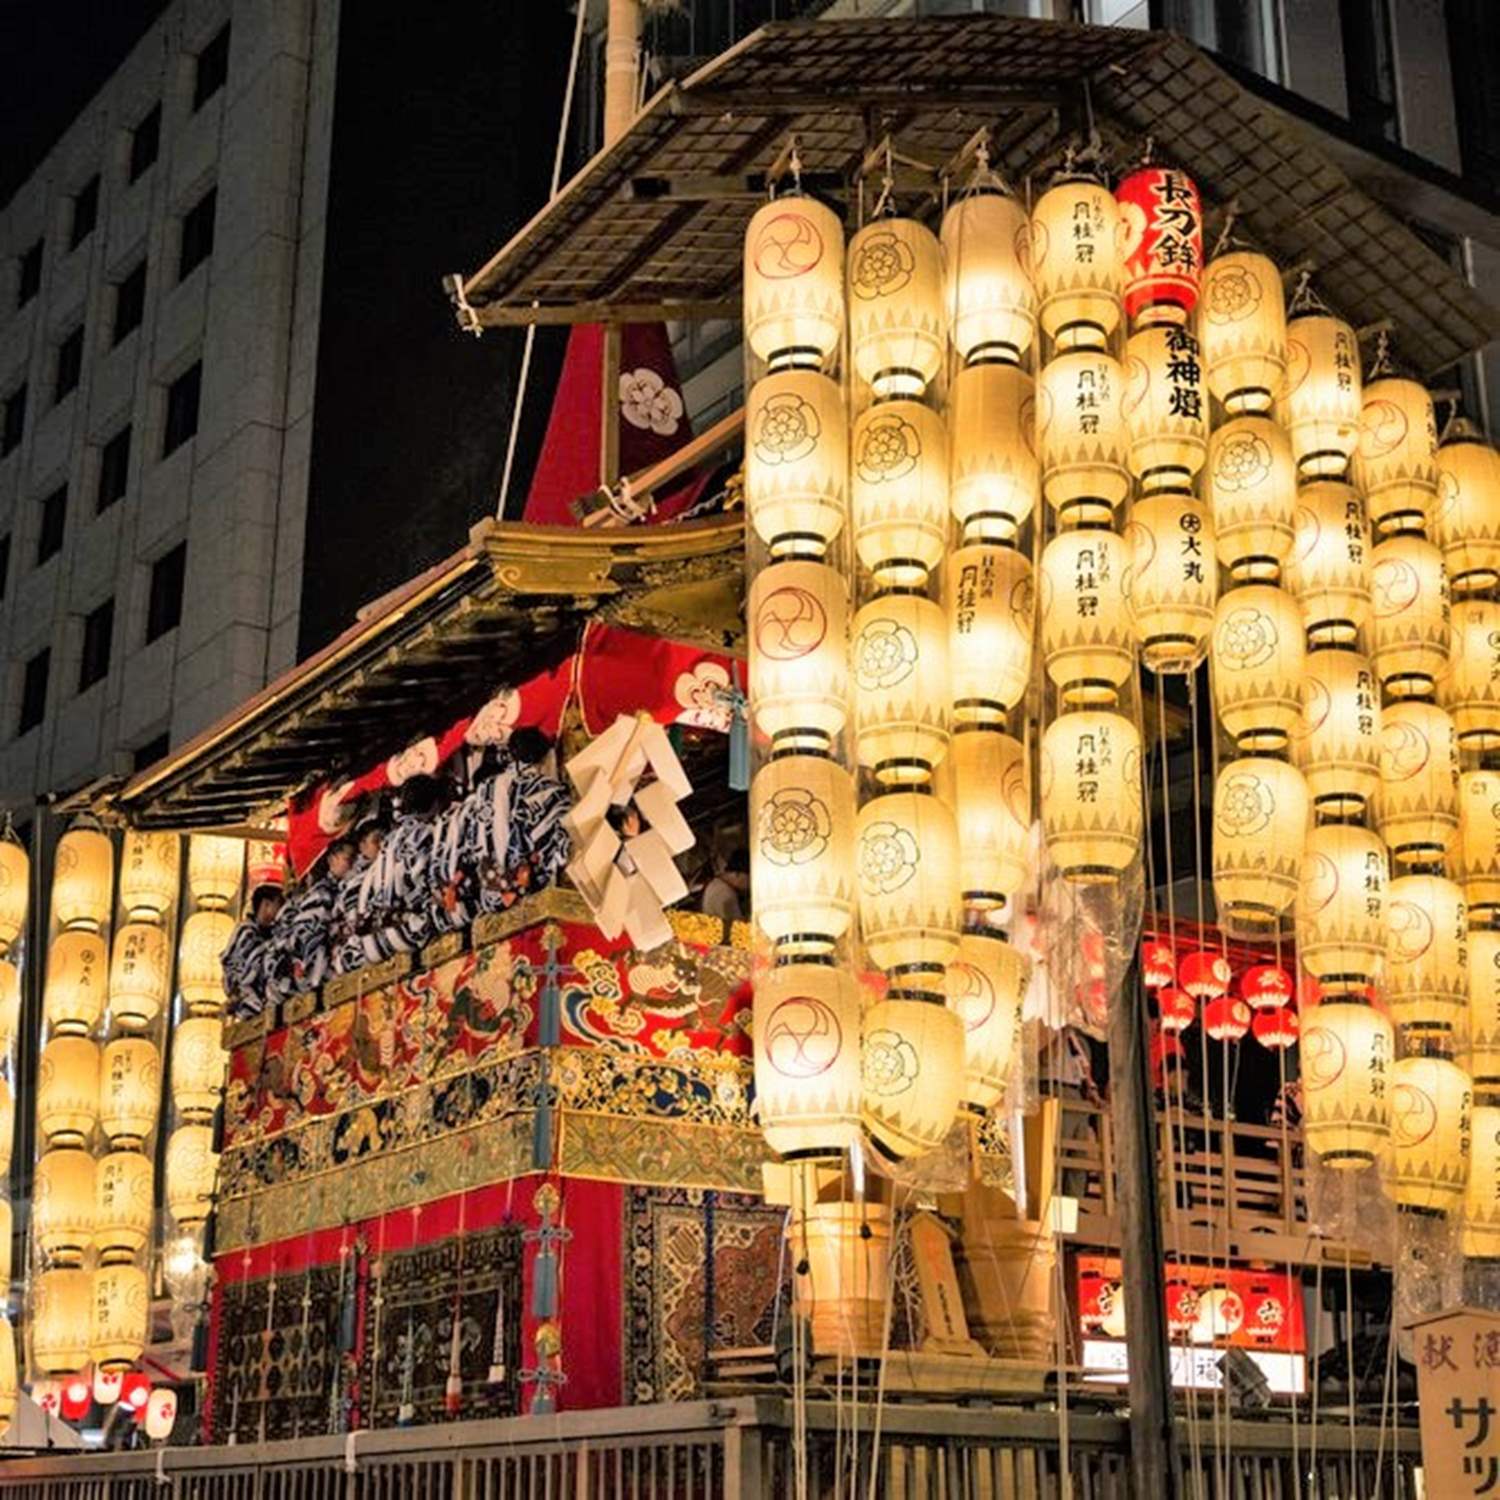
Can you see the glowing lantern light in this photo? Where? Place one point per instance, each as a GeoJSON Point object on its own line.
{"type": "Point", "coordinates": [898, 491]}
{"type": "Point", "coordinates": [1413, 624]}
{"type": "Point", "coordinates": [120, 1321]}
{"type": "Point", "coordinates": [10, 1003]}
{"type": "Point", "coordinates": [897, 329]}
{"type": "Point", "coordinates": [161, 1414]}
{"type": "Point", "coordinates": [73, 996]}
{"type": "Point", "coordinates": [1259, 658]}
{"type": "Point", "coordinates": [148, 873]}
{"type": "Point", "coordinates": [61, 1303]}
{"type": "Point", "coordinates": [898, 657]}
{"type": "Point", "coordinates": [1162, 244]}
{"type": "Point", "coordinates": [7, 1128]}
{"type": "Point", "coordinates": [1205, 975]}
{"type": "Point", "coordinates": [82, 879]}
{"type": "Point", "coordinates": [913, 1074]}
{"type": "Point", "coordinates": [107, 1386]}
{"type": "Point", "coordinates": [1075, 236]}
{"type": "Point", "coordinates": [1484, 1004]}
{"type": "Point", "coordinates": [1346, 1051]}
{"type": "Point", "coordinates": [1427, 955]}
{"type": "Point", "coordinates": [9, 1382]}
{"type": "Point", "coordinates": [200, 977]}
{"type": "Point", "coordinates": [799, 626]}
{"type": "Point", "coordinates": [1469, 691]}
{"type": "Point", "coordinates": [907, 862]}
{"type": "Point", "coordinates": [1477, 859]}
{"type": "Point", "coordinates": [1082, 436]}
{"type": "Point", "coordinates": [1275, 1029]}
{"type": "Point", "coordinates": [1395, 461]}
{"type": "Point", "coordinates": [991, 609]}
{"type": "Point", "coordinates": [986, 243]}
{"type": "Point", "coordinates": [135, 1392]}
{"type": "Point", "coordinates": [1088, 641]}
{"type": "Point", "coordinates": [129, 1091]}
{"type": "Point", "coordinates": [214, 866]}
{"type": "Point", "coordinates": [1243, 322]}
{"type": "Point", "coordinates": [993, 473]}
{"type": "Point", "coordinates": [1417, 811]}
{"type": "Point", "coordinates": [796, 462]}
{"type": "Point", "coordinates": [802, 853]}
{"type": "Point", "coordinates": [1341, 906]}
{"type": "Point", "coordinates": [123, 1187]}
{"type": "Point", "coordinates": [1221, 1315]}
{"type": "Point", "coordinates": [992, 801]}
{"type": "Point", "coordinates": [77, 1397]}
{"type": "Point", "coordinates": [63, 1204]}
{"type": "Point", "coordinates": [192, 1169]}
{"type": "Point", "coordinates": [1466, 519]}
{"type": "Point", "coordinates": [1329, 567]}
{"type": "Point", "coordinates": [1091, 795]}
{"type": "Point", "coordinates": [47, 1394]}
{"type": "Point", "coordinates": [1260, 823]}
{"type": "Point", "coordinates": [1158, 964]}
{"type": "Point", "coordinates": [1252, 486]}
{"type": "Point", "coordinates": [1431, 1104]}
{"type": "Point", "coordinates": [198, 1058]}
{"type": "Point", "coordinates": [1171, 581]}
{"type": "Point", "coordinates": [1227, 1018]}
{"type": "Point", "coordinates": [67, 1090]}
{"type": "Point", "coordinates": [1177, 1008]}
{"type": "Point", "coordinates": [7, 1225]}
{"type": "Point", "coordinates": [1321, 406]}
{"type": "Point", "coordinates": [986, 985]}
{"type": "Point", "coordinates": [139, 973]}
{"type": "Point", "coordinates": [1337, 746]}
{"type": "Point", "coordinates": [1480, 1235]}
{"type": "Point", "coordinates": [15, 887]}
{"type": "Point", "coordinates": [1266, 986]}
{"type": "Point", "coordinates": [794, 282]}
{"type": "Point", "coordinates": [1166, 411]}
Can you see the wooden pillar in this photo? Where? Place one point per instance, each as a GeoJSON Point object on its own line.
{"type": "Point", "coordinates": [1153, 1447]}
{"type": "Point", "coordinates": [609, 407]}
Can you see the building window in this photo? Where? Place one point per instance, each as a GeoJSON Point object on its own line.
{"type": "Point", "coordinates": [197, 234]}
{"type": "Point", "coordinates": [69, 364]}
{"type": "Point", "coordinates": [114, 469]}
{"type": "Point", "coordinates": [1370, 68]}
{"type": "Point", "coordinates": [145, 142]}
{"type": "Point", "coordinates": [85, 212]}
{"type": "Point", "coordinates": [151, 752]}
{"type": "Point", "coordinates": [130, 302]}
{"type": "Point", "coordinates": [98, 634]}
{"type": "Point", "coordinates": [49, 537]}
{"type": "Point", "coordinates": [213, 69]}
{"type": "Point", "coordinates": [34, 691]}
{"type": "Point", "coordinates": [164, 605]}
{"type": "Point", "coordinates": [182, 409]}
{"type": "Point", "coordinates": [4, 562]}
{"type": "Point", "coordinates": [1474, 32]}
{"type": "Point", "coordinates": [14, 423]}
{"type": "Point", "coordinates": [30, 280]}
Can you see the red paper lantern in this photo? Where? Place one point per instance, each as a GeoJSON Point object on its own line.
{"type": "Point", "coordinates": [1158, 964]}
{"type": "Point", "coordinates": [1227, 1018]}
{"type": "Point", "coordinates": [1178, 1010]}
{"type": "Point", "coordinates": [1266, 986]}
{"type": "Point", "coordinates": [266, 863]}
{"type": "Point", "coordinates": [1165, 1047]}
{"type": "Point", "coordinates": [1205, 975]}
{"type": "Point", "coordinates": [1161, 219]}
{"type": "Point", "coordinates": [1276, 1028]}
{"type": "Point", "coordinates": [77, 1397]}
{"type": "Point", "coordinates": [135, 1392]}
{"type": "Point", "coordinates": [1182, 1306]}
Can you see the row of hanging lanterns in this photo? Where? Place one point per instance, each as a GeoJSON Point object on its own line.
{"type": "Point", "coordinates": [15, 901]}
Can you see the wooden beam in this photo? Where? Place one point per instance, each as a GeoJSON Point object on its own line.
{"type": "Point", "coordinates": [686, 310]}
{"type": "Point", "coordinates": [690, 455]}
{"type": "Point", "coordinates": [609, 406]}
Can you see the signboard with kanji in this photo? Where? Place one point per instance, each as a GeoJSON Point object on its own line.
{"type": "Point", "coordinates": [1458, 1390]}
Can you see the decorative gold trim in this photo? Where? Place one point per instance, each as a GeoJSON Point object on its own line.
{"type": "Point", "coordinates": [298, 1008]}
{"type": "Point", "coordinates": [440, 950]}
{"type": "Point", "coordinates": [362, 981]}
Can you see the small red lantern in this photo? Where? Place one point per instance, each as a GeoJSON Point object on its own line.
{"type": "Point", "coordinates": [1165, 1047]}
{"type": "Point", "coordinates": [1227, 1018]}
{"type": "Point", "coordinates": [1161, 219]}
{"type": "Point", "coordinates": [1158, 964]}
{"type": "Point", "coordinates": [1178, 1009]}
{"type": "Point", "coordinates": [48, 1395]}
{"type": "Point", "coordinates": [1266, 986]}
{"type": "Point", "coordinates": [1182, 1306]}
{"type": "Point", "coordinates": [266, 863]}
{"type": "Point", "coordinates": [1205, 975]}
{"type": "Point", "coordinates": [135, 1392]}
{"type": "Point", "coordinates": [77, 1397]}
{"type": "Point", "coordinates": [1276, 1028]}
{"type": "Point", "coordinates": [107, 1386]}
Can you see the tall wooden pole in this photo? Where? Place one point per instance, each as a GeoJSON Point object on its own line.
{"type": "Point", "coordinates": [1153, 1445]}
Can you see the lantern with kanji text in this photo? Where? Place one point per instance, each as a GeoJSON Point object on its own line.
{"type": "Point", "coordinates": [991, 620]}
{"type": "Point", "coordinates": [1162, 244]}
{"type": "Point", "coordinates": [1091, 794]}
{"type": "Point", "coordinates": [1337, 744]}
{"type": "Point", "coordinates": [1466, 516]}
{"type": "Point", "coordinates": [1075, 261]}
{"type": "Point", "coordinates": [1341, 906]}
{"type": "Point", "coordinates": [1346, 1052]}
{"type": "Point", "coordinates": [1172, 580]}
{"type": "Point", "coordinates": [1166, 411]}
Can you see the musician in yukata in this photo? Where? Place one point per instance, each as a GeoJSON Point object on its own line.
{"type": "Point", "coordinates": [404, 894]}
{"type": "Point", "coordinates": [304, 928]}
{"type": "Point", "coordinates": [537, 845]}
{"type": "Point", "coordinates": [247, 960]}
{"type": "Point", "coordinates": [353, 939]}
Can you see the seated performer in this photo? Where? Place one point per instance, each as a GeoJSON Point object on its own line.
{"type": "Point", "coordinates": [303, 929]}
{"type": "Point", "coordinates": [403, 895]}
{"type": "Point", "coordinates": [537, 845]}
{"type": "Point", "coordinates": [473, 833]}
{"type": "Point", "coordinates": [247, 961]}
{"type": "Point", "coordinates": [353, 939]}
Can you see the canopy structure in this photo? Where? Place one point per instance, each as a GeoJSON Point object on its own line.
{"type": "Point", "coordinates": [653, 226]}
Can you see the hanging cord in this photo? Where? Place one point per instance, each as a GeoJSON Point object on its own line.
{"type": "Point", "coordinates": [1231, 213]}
{"type": "Point", "coordinates": [1304, 298]}
{"type": "Point", "coordinates": [557, 165]}
{"type": "Point", "coordinates": [1381, 365]}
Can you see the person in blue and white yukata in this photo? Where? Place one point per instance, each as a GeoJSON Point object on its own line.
{"type": "Point", "coordinates": [353, 939]}
{"type": "Point", "coordinates": [537, 845]}
{"type": "Point", "coordinates": [404, 892]}
{"type": "Point", "coordinates": [302, 934]}
{"type": "Point", "coordinates": [249, 977]}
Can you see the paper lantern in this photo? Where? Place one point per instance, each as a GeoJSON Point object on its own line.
{"type": "Point", "coordinates": [265, 863]}
{"type": "Point", "coordinates": [1166, 410]}
{"type": "Point", "coordinates": [1259, 655]}
{"type": "Point", "coordinates": [83, 879]}
{"type": "Point", "coordinates": [214, 865]}
{"type": "Point", "coordinates": [1346, 1056]}
{"type": "Point", "coordinates": [148, 873]}
{"type": "Point", "coordinates": [1172, 580]}
{"type": "Point", "coordinates": [67, 1091]}
{"type": "Point", "coordinates": [796, 462]}
{"type": "Point", "coordinates": [123, 1204]}
{"type": "Point", "coordinates": [1471, 689]}
{"type": "Point", "coordinates": [10, 1003]}
{"type": "Point", "coordinates": [1162, 244]}
{"type": "Point", "coordinates": [991, 621]}
{"type": "Point", "coordinates": [62, 1204]}
{"type": "Point", "coordinates": [135, 1392]}
{"type": "Point", "coordinates": [107, 1386]}
{"type": "Point", "coordinates": [1266, 986]}
{"type": "Point", "coordinates": [7, 1128]}
{"type": "Point", "coordinates": [1158, 964]}
{"type": "Point", "coordinates": [1082, 439]}
{"type": "Point", "coordinates": [807, 1059]}
{"type": "Point", "coordinates": [987, 291]}
{"type": "Point", "coordinates": [802, 855]}
{"type": "Point", "coordinates": [1323, 395]}
{"type": "Point", "coordinates": [898, 658]}
{"type": "Point", "coordinates": [1427, 955]}
{"type": "Point", "coordinates": [897, 327]}
{"type": "Point", "coordinates": [1226, 1019]}
{"type": "Point", "coordinates": [1088, 639]}
{"type": "Point", "coordinates": [1221, 1315]}
{"type": "Point", "coordinates": [993, 474]}
{"type": "Point", "coordinates": [799, 628]}
{"type": "Point", "coordinates": [1205, 975]}
{"type": "Point", "coordinates": [7, 1226]}
{"type": "Point", "coordinates": [794, 282]}
{"type": "Point", "coordinates": [77, 974]}
{"type": "Point", "coordinates": [1251, 483]}
{"type": "Point", "coordinates": [61, 1304]}
{"type": "Point", "coordinates": [199, 1059]}
{"type": "Point", "coordinates": [1275, 1029]}
{"type": "Point", "coordinates": [1075, 262]}
{"type": "Point", "coordinates": [898, 491]}
{"type": "Point", "coordinates": [47, 1394]}
{"type": "Point", "coordinates": [1431, 1104]}
{"type": "Point", "coordinates": [1328, 570]}
{"type": "Point", "coordinates": [1341, 906]}
{"type": "Point", "coordinates": [77, 1397]}
{"type": "Point", "coordinates": [1260, 823]}
{"type": "Point", "coordinates": [129, 1090]}
{"type": "Point", "coordinates": [1177, 1009]}
{"type": "Point", "coordinates": [1242, 319]}
{"type": "Point", "coordinates": [120, 1321]}
{"type": "Point", "coordinates": [991, 799]}
{"type": "Point", "coordinates": [15, 887]}
{"type": "Point", "coordinates": [1337, 744]}
{"type": "Point", "coordinates": [139, 974]}
{"type": "Point", "coordinates": [9, 1383]}
{"type": "Point", "coordinates": [1091, 794]}
{"type": "Point", "coordinates": [1395, 460]}
{"type": "Point", "coordinates": [986, 986]}
{"type": "Point", "coordinates": [1484, 1004]}
{"type": "Point", "coordinates": [913, 1075]}
{"type": "Point", "coordinates": [1417, 810]}
{"type": "Point", "coordinates": [1476, 851]}
{"type": "Point", "coordinates": [200, 975]}
{"type": "Point", "coordinates": [1480, 1235]}
{"type": "Point", "coordinates": [161, 1414]}
{"type": "Point", "coordinates": [1466, 516]}
{"type": "Point", "coordinates": [192, 1170]}
{"type": "Point", "coordinates": [1412, 621]}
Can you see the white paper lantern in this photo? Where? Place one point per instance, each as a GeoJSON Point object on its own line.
{"type": "Point", "coordinates": [1088, 641]}
{"type": "Point", "coordinates": [161, 1414]}
{"type": "Point", "coordinates": [796, 462]}
{"type": "Point", "coordinates": [1471, 689]}
{"type": "Point", "coordinates": [1466, 519]}
{"type": "Point", "coordinates": [986, 242]}
{"type": "Point", "coordinates": [898, 658]}
{"type": "Point", "coordinates": [798, 616]}
{"type": "Point", "coordinates": [1172, 579]}
{"type": "Point", "coordinates": [148, 872]}
{"type": "Point", "coordinates": [1412, 633]}
{"type": "Point", "coordinates": [907, 861]}
{"type": "Point", "coordinates": [991, 622]}
{"type": "Point", "coordinates": [898, 491]}
{"type": "Point", "coordinates": [1337, 744]}
{"type": "Point", "coordinates": [1259, 656]}
{"type": "Point", "coordinates": [1166, 409]}
{"type": "Point", "coordinates": [794, 283]}
{"type": "Point", "coordinates": [140, 971]}
{"type": "Point", "coordinates": [897, 327]}
{"type": "Point", "coordinates": [1260, 825]}
{"type": "Point", "coordinates": [83, 879]}
{"type": "Point", "coordinates": [1431, 1104]}
{"type": "Point", "coordinates": [77, 978]}
{"type": "Point", "coordinates": [1341, 906]}
{"type": "Point", "coordinates": [1484, 1004]}
{"type": "Point", "coordinates": [200, 975]}
{"type": "Point", "coordinates": [913, 1074]}
{"type": "Point", "coordinates": [214, 867]}
{"type": "Point", "coordinates": [991, 798]}
{"type": "Point", "coordinates": [994, 477]}
{"type": "Point", "coordinates": [1329, 567]}
{"type": "Point", "coordinates": [1075, 262]}
{"type": "Point", "coordinates": [121, 1316]}
{"type": "Point", "coordinates": [1242, 318]}
{"type": "Point", "coordinates": [1346, 1050]}
{"type": "Point", "coordinates": [1323, 394]}
{"type": "Point", "coordinates": [1427, 956]}
{"type": "Point", "coordinates": [1251, 483]}
{"type": "Point", "coordinates": [1091, 794]}
{"type": "Point", "coordinates": [1417, 811]}
{"type": "Point", "coordinates": [986, 985]}
{"type": "Point", "coordinates": [1082, 437]}
{"type": "Point", "coordinates": [1475, 854]}
{"type": "Point", "coordinates": [1395, 461]}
